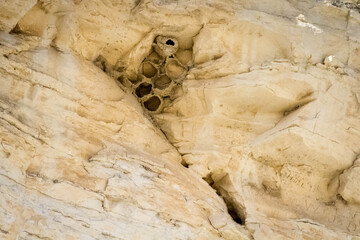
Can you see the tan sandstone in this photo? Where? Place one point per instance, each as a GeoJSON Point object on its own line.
{"type": "Point", "coordinates": [194, 119]}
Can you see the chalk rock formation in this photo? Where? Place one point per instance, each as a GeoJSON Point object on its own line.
{"type": "Point", "coordinates": [162, 119]}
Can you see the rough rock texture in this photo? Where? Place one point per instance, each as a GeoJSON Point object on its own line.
{"type": "Point", "coordinates": [186, 119]}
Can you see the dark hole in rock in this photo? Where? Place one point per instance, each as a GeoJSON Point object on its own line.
{"type": "Point", "coordinates": [103, 67]}
{"type": "Point", "coordinates": [184, 163]}
{"type": "Point", "coordinates": [339, 197]}
{"type": "Point", "coordinates": [232, 212]}
{"type": "Point", "coordinates": [149, 70]}
{"type": "Point", "coordinates": [143, 89]}
{"type": "Point", "coordinates": [170, 42]}
{"type": "Point", "coordinates": [162, 82]}
{"type": "Point", "coordinates": [100, 62]}
{"type": "Point", "coordinates": [16, 30]}
{"type": "Point", "coordinates": [293, 109]}
{"type": "Point", "coordinates": [235, 213]}
{"type": "Point", "coordinates": [121, 79]}
{"type": "Point", "coordinates": [152, 104]}
{"type": "Point", "coordinates": [231, 209]}
{"type": "Point", "coordinates": [209, 179]}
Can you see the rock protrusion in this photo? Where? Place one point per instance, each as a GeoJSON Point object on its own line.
{"type": "Point", "coordinates": [165, 46]}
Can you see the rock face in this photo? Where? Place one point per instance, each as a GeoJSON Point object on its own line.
{"type": "Point", "coordinates": [187, 119]}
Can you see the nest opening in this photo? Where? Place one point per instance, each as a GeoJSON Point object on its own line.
{"type": "Point", "coordinates": [143, 90]}
{"type": "Point", "coordinates": [170, 42]}
{"type": "Point", "coordinates": [149, 70]}
{"type": "Point", "coordinates": [152, 104]}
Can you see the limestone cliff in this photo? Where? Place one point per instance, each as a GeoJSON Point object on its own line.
{"type": "Point", "coordinates": [168, 119]}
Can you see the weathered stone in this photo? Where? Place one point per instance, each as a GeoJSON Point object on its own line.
{"type": "Point", "coordinates": [179, 119]}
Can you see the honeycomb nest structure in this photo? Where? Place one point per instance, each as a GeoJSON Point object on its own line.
{"type": "Point", "coordinates": [160, 73]}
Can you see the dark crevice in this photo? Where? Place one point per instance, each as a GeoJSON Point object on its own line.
{"type": "Point", "coordinates": [17, 30]}
{"type": "Point", "coordinates": [209, 179]}
{"type": "Point", "coordinates": [341, 199]}
{"type": "Point", "coordinates": [184, 163]}
{"type": "Point", "coordinates": [101, 63]}
{"type": "Point", "coordinates": [293, 109]}
{"type": "Point", "coordinates": [235, 212]}
{"type": "Point", "coordinates": [232, 212]}
{"type": "Point", "coordinates": [299, 105]}
{"type": "Point", "coordinates": [121, 79]}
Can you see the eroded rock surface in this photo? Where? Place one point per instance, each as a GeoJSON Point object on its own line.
{"type": "Point", "coordinates": [179, 119]}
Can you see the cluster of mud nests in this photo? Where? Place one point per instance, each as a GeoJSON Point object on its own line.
{"type": "Point", "coordinates": [160, 73]}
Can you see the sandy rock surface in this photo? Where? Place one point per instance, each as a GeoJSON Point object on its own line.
{"type": "Point", "coordinates": [186, 119]}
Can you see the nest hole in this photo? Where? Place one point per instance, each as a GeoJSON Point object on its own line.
{"type": "Point", "coordinates": [153, 103]}
{"type": "Point", "coordinates": [162, 82]}
{"type": "Point", "coordinates": [149, 70]}
{"type": "Point", "coordinates": [170, 42]}
{"type": "Point", "coordinates": [143, 90]}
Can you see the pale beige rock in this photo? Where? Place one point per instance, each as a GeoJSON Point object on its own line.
{"type": "Point", "coordinates": [256, 134]}
{"type": "Point", "coordinates": [12, 11]}
{"type": "Point", "coordinates": [71, 158]}
{"type": "Point", "coordinates": [349, 183]}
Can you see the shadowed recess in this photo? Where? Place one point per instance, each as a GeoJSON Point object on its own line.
{"type": "Point", "coordinates": [152, 104]}
{"type": "Point", "coordinates": [143, 89]}
{"type": "Point", "coordinates": [170, 42]}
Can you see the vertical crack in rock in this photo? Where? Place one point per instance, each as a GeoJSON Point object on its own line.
{"type": "Point", "coordinates": [236, 212]}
